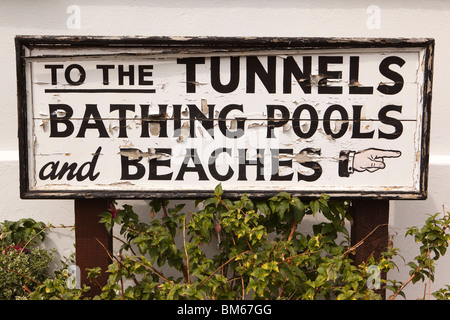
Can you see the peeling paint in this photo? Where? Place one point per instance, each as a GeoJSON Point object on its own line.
{"type": "Point", "coordinates": [154, 129]}
{"type": "Point", "coordinates": [204, 104]}
{"type": "Point", "coordinates": [316, 78]}
{"type": "Point", "coordinates": [137, 154]}
{"type": "Point", "coordinates": [44, 124]}
{"type": "Point", "coordinates": [257, 124]}
{"type": "Point", "coordinates": [184, 132]}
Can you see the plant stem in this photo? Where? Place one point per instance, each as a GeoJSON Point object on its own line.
{"type": "Point", "coordinates": [408, 281]}
{"type": "Point", "coordinates": [223, 265]}
{"type": "Point", "coordinates": [185, 250]}
{"type": "Point", "coordinates": [222, 202]}
{"type": "Point", "coordinates": [153, 270]}
{"type": "Point", "coordinates": [294, 226]}
{"type": "Point", "coordinates": [353, 248]}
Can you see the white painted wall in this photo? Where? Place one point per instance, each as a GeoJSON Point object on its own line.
{"type": "Point", "coordinates": [284, 18]}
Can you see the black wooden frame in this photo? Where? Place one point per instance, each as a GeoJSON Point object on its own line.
{"type": "Point", "coordinates": [217, 45]}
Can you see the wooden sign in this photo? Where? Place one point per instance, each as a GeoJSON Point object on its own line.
{"type": "Point", "coordinates": [174, 117]}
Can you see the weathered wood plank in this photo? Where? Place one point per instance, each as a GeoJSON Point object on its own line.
{"type": "Point", "coordinates": [92, 241]}
{"type": "Point", "coordinates": [370, 230]}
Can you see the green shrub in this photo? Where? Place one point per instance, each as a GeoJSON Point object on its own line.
{"type": "Point", "coordinates": [22, 265]}
{"type": "Point", "coordinates": [258, 253]}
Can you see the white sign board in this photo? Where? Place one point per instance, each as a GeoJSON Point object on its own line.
{"type": "Point", "coordinates": [160, 117]}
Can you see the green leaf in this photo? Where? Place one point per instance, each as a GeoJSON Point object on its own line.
{"type": "Point", "coordinates": [327, 213]}
{"type": "Point", "coordinates": [210, 201]}
{"type": "Point", "coordinates": [198, 201]}
{"type": "Point", "coordinates": [262, 207]}
{"type": "Point", "coordinates": [283, 207]}
{"type": "Point", "coordinates": [156, 205]}
{"type": "Point", "coordinates": [177, 209]}
{"type": "Point", "coordinates": [332, 272]}
{"type": "Point", "coordinates": [284, 195]}
{"type": "Point", "coordinates": [218, 191]}
{"type": "Point", "coordinates": [315, 206]}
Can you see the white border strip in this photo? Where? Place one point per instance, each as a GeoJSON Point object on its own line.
{"type": "Point", "coordinates": [9, 155]}
{"type": "Point", "coordinates": [439, 160]}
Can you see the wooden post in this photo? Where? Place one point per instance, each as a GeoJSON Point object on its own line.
{"type": "Point", "coordinates": [89, 233]}
{"type": "Point", "coordinates": [370, 225]}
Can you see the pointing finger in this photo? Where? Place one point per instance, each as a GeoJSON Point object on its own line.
{"type": "Point", "coordinates": [378, 153]}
